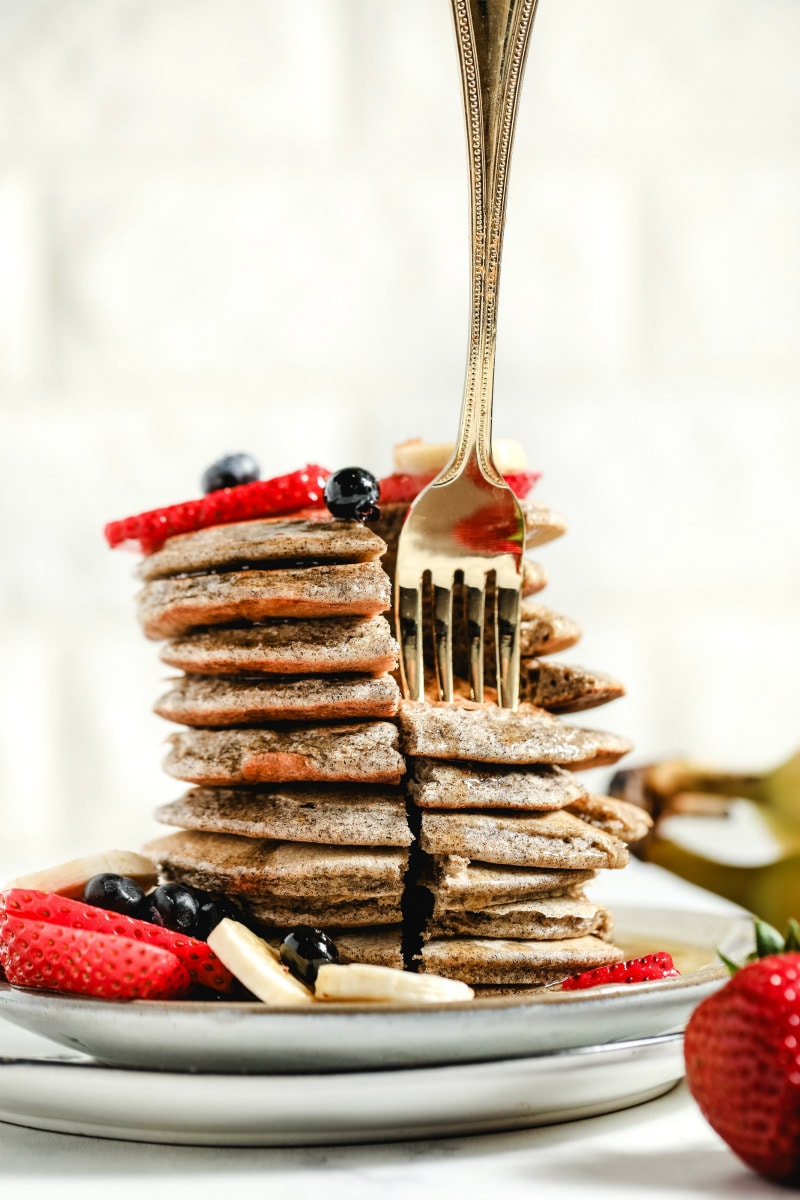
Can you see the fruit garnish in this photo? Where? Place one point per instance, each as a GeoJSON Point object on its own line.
{"type": "Point", "coordinates": [83, 962]}
{"type": "Point", "coordinates": [402, 488]}
{"type": "Point", "coordinates": [116, 893]}
{"type": "Point", "coordinates": [366, 982]}
{"type": "Point", "coordinates": [635, 970]}
{"type": "Point", "coordinates": [305, 950]}
{"type": "Point", "coordinates": [264, 498]}
{"type": "Point", "coordinates": [256, 965]}
{"type": "Point", "coordinates": [232, 470]}
{"type": "Point", "coordinates": [70, 878]}
{"type": "Point", "coordinates": [353, 494]}
{"type": "Point", "coordinates": [742, 1051]}
{"type": "Point", "coordinates": [196, 957]}
{"type": "Point", "coordinates": [173, 906]}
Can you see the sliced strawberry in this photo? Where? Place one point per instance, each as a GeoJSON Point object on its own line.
{"type": "Point", "coordinates": [635, 970]}
{"type": "Point", "coordinates": [264, 498]}
{"type": "Point", "coordinates": [197, 958]}
{"type": "Point", "coordinates": [80, 961]}
{"type": "Point", "coordinates": [402, 489]}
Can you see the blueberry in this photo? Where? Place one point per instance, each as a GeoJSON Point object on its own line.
{"type": "Point", "coordinates": [116, 893]}
{"type": "Point", "coordinates": [173, 906]}
{"type": "Point", "coordinates": [353, 493]}
{"type": "Point", "coordinates": [229, 471]}
{"type": "Point", "coordinates": [214, 909]}
{"type": "Point", "coordinates": [305, 950]}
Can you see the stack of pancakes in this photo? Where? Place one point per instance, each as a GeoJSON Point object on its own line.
{"type": "Point", "coordinates": [311, 779]}
{"type": "Point", "coordinates": [287, 702]}
{"type": "Point", "coordinates": [507, 834]}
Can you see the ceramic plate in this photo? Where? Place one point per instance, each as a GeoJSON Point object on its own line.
{"type": "Point", "coordinates": [267, 1110]}
{"type": "Point", "coordinates": [245, 1037]}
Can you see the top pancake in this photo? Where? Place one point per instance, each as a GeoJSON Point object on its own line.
{"type": "Point", "coordinates": [272, 540]}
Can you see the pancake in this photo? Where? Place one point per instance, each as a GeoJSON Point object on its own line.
{"type": "Point", "coordinates": [252, 867]}
{"type": "Point", "coordinates": [353, 753]}
{"type": "Point", "coordinates": [380, 945]}
{"type": "Point", "coordinates": [463, 731]}
{"type": "Point", "coordinates": [563, 687]}
{"type": "Point", "coordinates": [555, 840]}
{"type": "Point", "coordinates": [506, 961]}
{"type": "Point", "coordinates": [173, 606]}
{"type": "Point", "coordinates": [618, 817]}
{"type": "Point", "coordinates": [264, 541]}
{"type": "Point", "coordinates": [446, 785]}
{"type": "Point", "coordinates": [457, 883]}
{"type": "Point", "coordinates": [545, 919]}
{"type": "Point", "coordinates": [541, 523]}
{"type": "Point", "coordinates": [213, 700]}
{"type": "Point", "coordinates": [326, 913]}
{"type": "Point", "coordinates": [334, 815]}
{"type": "Point", "coordinates": [326, 646]}
{"type": "Point", "coordinates": [543, 631]}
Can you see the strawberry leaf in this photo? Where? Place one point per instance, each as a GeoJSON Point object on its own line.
{"type": "Point", "coordinates": [768, 940]}
{"type": "Point", "coordinates": [792, 942]}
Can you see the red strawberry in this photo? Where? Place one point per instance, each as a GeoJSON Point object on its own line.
{"type": "Point", "coordinates": [39, 955]}
{"type": "Point", "coordinates": [742, 1052]}
{"type": "Point", "coordinates": [402, 489]}
{"type": "Point", "coordinates": [635, 970]}
{"type": "Point", "coordinates": [264, 498]}
{"type": "Point", "coordinates": [198, 959]}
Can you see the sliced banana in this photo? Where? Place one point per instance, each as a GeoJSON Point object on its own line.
{"type": "Point", "coordinates": [362, 981]}
{"type": "Point", "coordinates": [416, 457]}
{"type": "Point", "coordinates": [256, 965]}
{"type": "Point", "coordinates": [68, 878]}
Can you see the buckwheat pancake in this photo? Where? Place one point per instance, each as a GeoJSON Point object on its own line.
{"type": "Point", "coordinates": [457, 883]}
{"type": "Point", "coordinates": [265, 541]}
{"type": "Point", "coordinates": [281, 647]}
{"type": "Point", "coordinates": [173, 606]}
{"type": "Point", "coordinates": [534, 577]}
{"type": "Point", "coordinates": [541, 523]}
{"type": "Point", "coordinates": [380, 945]}
{"type": "Point", "coordinates": [325, 913]}
{"type": "Point", "coordinates": [215, 700]}
{"type": "Point", "coordinates": [506, 961]}
{"type": "Point", "coordinates": [543, 631]}
{"type": "Point", "coordinates": [463, 731]}
{"type": "Point", "coordinates": [251, 867]}
{"type": "Point", "coordinates": [438, 784]}
{"type": "Point", "coordinates": [626, 821]}
{"type": "Point", "coordinates": [355, 753]}
{"type": "Point", "coordinates": [554, 839]}
{"type": "Point", "coordinates": [334, 815]}
{"type": "Point", "coordinates": [545, 919]}
{"type": "Point", "coordinates": [563, 687]}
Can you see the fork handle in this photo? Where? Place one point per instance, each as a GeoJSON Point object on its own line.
{"type": "Point", "coordinates": [492, 38]}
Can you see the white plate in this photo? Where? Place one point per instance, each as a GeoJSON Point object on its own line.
{"type": "Point", "coordinates": [267, 1110]}
{"type": "Point", "coordinates": [252, 1038]}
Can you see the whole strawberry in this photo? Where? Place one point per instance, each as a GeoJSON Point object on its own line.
{"type": "Point", "coordinates": [742, 1053]}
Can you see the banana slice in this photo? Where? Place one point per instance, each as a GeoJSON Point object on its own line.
{"type": "Point", "coordinates": [361, 981]}
{"type": "Point", "coordinates": [416, 457]}
{"type": "Point", "coordinates": [68, 878]}
{"type": "Point", "coordinates": [256, 965]}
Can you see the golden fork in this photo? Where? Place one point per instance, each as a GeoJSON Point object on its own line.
{"type": "Point", "coordinates": [467, 525]}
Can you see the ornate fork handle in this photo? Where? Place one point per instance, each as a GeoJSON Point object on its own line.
{"type": "Point", "coordinates": [492, 38]}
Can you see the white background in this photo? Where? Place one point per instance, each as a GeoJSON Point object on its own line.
{"type": "Point", "coordinates": [242, 225]}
